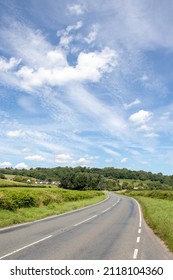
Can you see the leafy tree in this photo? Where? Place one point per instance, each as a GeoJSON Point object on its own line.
{"type": "Point", "coordinates": [2, 176]}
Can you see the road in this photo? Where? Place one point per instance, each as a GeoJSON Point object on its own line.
{"type": "Point", "coordinates": [111, 230]}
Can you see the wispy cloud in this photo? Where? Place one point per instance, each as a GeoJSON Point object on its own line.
{"type": "Point", "coordinates": [133, 103]}
{"type": "Point", "coordinates": [92, 34]}
{"type": "Point", "coordinates": [16, 133]}
{"type": "Point", "coordinates": [75, 9]}
{"type": "Point", "coordinates": [71, 90]}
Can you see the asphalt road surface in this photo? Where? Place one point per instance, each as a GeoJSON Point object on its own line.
{"type": "Point", "coordinates": [111, 230]}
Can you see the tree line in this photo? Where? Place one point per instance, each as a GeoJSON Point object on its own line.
{"type": "Point", "coordinates": [95, 178]}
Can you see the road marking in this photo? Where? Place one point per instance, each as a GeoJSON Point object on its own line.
{"type": "Point", "coordinates": [140, 213]}
{"type": "Point", "coordinates": [135, 254]}
{"type": "Point", "coordinates": [85, 220]}
{"type": "Point", "coordinates": [106, 210]}
{"type": "Point", "coordinates": [116, 202]}
{"type": "Point", "coordinates": [54, 216]}
{"type": "Point", "coordinates": [139, 230]}
{"type": "Point", "coordinates": [27, 246]}
{"type": "Point", "coordinates": [138, 239]}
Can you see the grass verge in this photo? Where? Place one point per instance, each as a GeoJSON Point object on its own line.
{"type": "Point", "coordinates": [67, 201]}
{"type": "Point", "coordinates": [158, 214]}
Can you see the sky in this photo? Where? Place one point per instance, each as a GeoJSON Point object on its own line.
{"type": "Point", "coordinates": [86, 83]}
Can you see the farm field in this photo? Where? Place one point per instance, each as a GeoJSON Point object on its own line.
{"type": "Point", "coordinates": [157, 207]}
{"type": "Point", "coordinates": [18, 205]}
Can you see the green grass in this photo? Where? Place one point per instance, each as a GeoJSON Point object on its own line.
{"type": "Point", "coordinates": [48, 202]}
{"type": "Point", "coordinates": [5, 183]}
{"type": "Point", "coordinates": [9, 176]}
{"type": "Point", "coordinates": [157, 207]}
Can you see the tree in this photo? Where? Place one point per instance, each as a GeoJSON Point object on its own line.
{"type": "Point", "coordinates": [2, 176]}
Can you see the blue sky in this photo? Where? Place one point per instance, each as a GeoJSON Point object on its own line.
{"type": "Point", "coordinates": [86, 83]}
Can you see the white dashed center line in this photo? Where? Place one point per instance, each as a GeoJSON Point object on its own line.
{"type": "Point", "coordinates": [135, 254]}
{"type": "Point", "coordinates": [85, 220]}
{"type": "Point", "coordinates": [27, 246]}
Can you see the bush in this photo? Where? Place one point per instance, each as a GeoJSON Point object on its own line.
{"type": "Point", "coordinates": [14, 198]}
{"type": "Point", "coordinates": [153, 194]}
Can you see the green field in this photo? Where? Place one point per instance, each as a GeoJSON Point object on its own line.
{"type": "Point", "coordinates": [5, 183]}
{"type": "Point", "coordinates": [18, 205]}
{"type": "Point", "coordinates": [157, 207]}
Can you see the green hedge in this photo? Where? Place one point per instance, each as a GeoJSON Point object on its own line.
{"type": "Point", "coordinates": [153, 194]}
{"type": "Point", "coordinates": [14, 198]}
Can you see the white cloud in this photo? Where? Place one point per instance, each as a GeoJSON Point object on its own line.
{"type": "Point", "coordinates": [109, 160]}
{"type": "Point", "coordinates": [6, 65]}
{"type": "Point", "coordinates": [35, 158]}
{"type": "Point", "coordinates": [144, 78]}
{"type": "Point", "coordinates": [165, 116]}
{"type": "Point", "coordinates": [76, 26]}
{"type": "Point", "coordinates": [134, 103]}
{"type": "Point", "coordinates": [68, 159]}
{"type": "Point", "coordinates": [83, 161]}
{"type": "Point", "coordinates": [5, 164]}
{"type": "Point", "coordinates": [65, 36]}
{"type": "Point", "coordinates": [141, 116]}
{"type": "Point", "coordinates": [111, 152]}
{"type": "Point", "coordinates": [75, 9]}
{"type": "Point", "coordinates": [90, 67]}
{"type": "Point", "coordinates": [144, 127]}
{"type": "Point", "coordinates": [63, 158]}
{"type": "Point", "coordinates": [92, 35]}
{"type": "Point", "coordinates": [124, 160]}
{"type": "Point", "coordinates": [151, 135]}
{"type": "Point", "coordinates": [102, 115]}
{"type": "Point", "coordinates": [56, 58]}
{"type": "Point", "coordinates": [16, 133]}
{"type": "Point", "coordinates": [21, 165]}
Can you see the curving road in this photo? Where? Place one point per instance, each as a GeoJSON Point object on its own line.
{"type": "Point", "coordinates": [112, 229]}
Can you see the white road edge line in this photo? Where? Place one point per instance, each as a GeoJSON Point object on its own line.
{"type": "Point", "coordinates": [27, 246]}
{"type": "Point", "coordinates": [85, 220]}
{"type": "Point", "coordinates": [135, 254]}
{"type": "Point", "coordinates": [140, 213]}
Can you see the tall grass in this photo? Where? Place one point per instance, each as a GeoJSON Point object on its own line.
{"type": "Point", "coordinates": [157, 207]}
{"type": "Point", "coordinates": [19, 205]}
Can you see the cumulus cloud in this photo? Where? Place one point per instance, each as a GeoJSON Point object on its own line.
{"type": "Point", "coordinates": [35, 158]}
{"type": "Point", "coordinates": [21, 165]}
{"type": "Point", "coordinates": [5, 164]}
{"type": "Point", "coordinates": [63, 158]}
{"type": "Point", "coordinates": [140, 117]}
{"type": "Point", "coordinates": [71, 160]}
{"type": "Point", "coordinates": [90, 67]}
